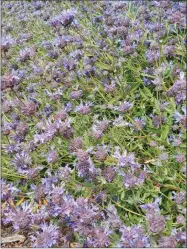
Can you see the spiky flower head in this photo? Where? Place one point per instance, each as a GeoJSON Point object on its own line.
{"type": "Point", "coordinates": [7, 189]}
{"type": "Point", "coordinates": [52, 156]}
{"type": "Point", "coordinates": [75, 94]}
{"type": "Point", "coordinates": [109, 174]}
{"type": "Point", "coordinates": [133, 237]}
{"type": "Point", "coordinates": [21, 216]}
{"type": "Point", "coordinates": [76, 144]}
{"type": "Point", "coordinates": [124, 106]}
{"type": "Point", "coordinates": [29, 108]}
{"type": "Point", "coordinates": [47, 237]}
{"type": "Point", "coordinates": [167, 242]}
{"type": "Point", "coordinates": [6, 43]}
{"type": "Point", "coordinates": [84, 108]}
{"type": "Point", "coordinates": [22, 160]}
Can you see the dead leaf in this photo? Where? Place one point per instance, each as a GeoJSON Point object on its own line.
{"type": "Point", "coordinates": [13, 238]}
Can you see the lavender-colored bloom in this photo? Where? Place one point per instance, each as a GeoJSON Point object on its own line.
{"type": "Point", "coordinates": [52, 156]}
{"type": "Point", "coordinates": [101, 153]}
{"type": "Point", "coordinates": [125, 160]}
{"type": "Point", "coordinates": [84, 108]}
{"type": "Point", "coordinates": [39, 192]}
{"type": "Point", "coordinates": [22, 128]}
{"type": "Point", "coordinates": [179, 198]}
{"type": "Point", "coordinates": [124, 107]}
{"type": "Point", "coordinates": [26, 54]}
{"type": "Point", "coordinates": [180, 219]}
{"type": "Point", "coordinates": [76, 144]}
{"type": "Point", "coordinates": [40, 216]}
{"type": "Point", "coordinates": [7, 189]}
{"type": "Point", "coordinates": [29, 108]}
{"type": "Point", "coordinates": [10, 80]}
{"type": "Point", "coordinates": [22, 161]}
{"type": "Point", "coordinates": [181, 237]}
{"type": "Point", "coordinates": [138, 124]}
{"type": "Point", "coordinates": [76, 94]}
{"type": "Point", "coordinates": [99, 238]}
{"type": "Point", "coordinates": [12, 148]}
{"type": "Point", "coordinates": [109, 174]}
{"type": "Point", "coordinates": [167, 242]}
{"type": "Point", "coordinates": [68, 107]}
{"type": "Point", "coordinates": [7, 42]}
{"type": "Point", "coordinates": [152, 208]}
{"type": "Point", "coordinates": [133, 237]}
{"type": "Point", "coordinates": [20, 217]}
{"type": "Point", "coordinates": [60, 42]}
{"type": "Point", "coordinates": [158, 120]}
{"type": "Point", "coordinates": [47, 237]}
{"type": "Point", "coordinates": [64, 173]}
{"type": "Point", "coordinates": [62, 115]}
{"type": "Point", "coordinates": [180, 158]}
{"type": "Point", "coordinates": [156, 222]}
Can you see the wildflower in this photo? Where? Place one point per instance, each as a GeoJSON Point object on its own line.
{"type": "Point", "coordinates": [101, 153]}
{"type": "Point", "coordinates": [52, 156]}
{"type": "Point", "coordinates": [29, 108]}
{"type": "Point", "coordinates": [6, 43]}
{"type": "Point", "coordinates": [76, 94]}
{"type": "Point", "coordinates": [109, 174]}
{"type": "Point", "coordinates": [84, 108]}
{"type": "Point", "coordinates": [47, 237]}
{"type": "Point", "coordinates": [76, 144]}
{"type": "Point", "coordinates": [10, 80]}
{"type": "Point", "coordinates": [26, 54]}
{"type": "Point", "coordinates": [124, 107]}
{"type": "Point", "coordinates": [22, 161]}
{"type": "Point", "coordinates": [167, 242]}
{"type": "Point", "coordinates": [62, 115]}
{"type": "Point", "coordinates": [179, 198]}
{"type": "Point", "coordinates": [156, 222]}
{"type": "Point", "coordinates": [7, 190]}
{"type": "Point", "coordinates": [20, 217]}
{"type": "Point", "coordinates": [133, 237]}
{"type": "Point", "coordinates": [22, 128]}
{"type": "Point", "coordinates": [158, 120]}
{"type": "Point", "coordinates": [138, 124]}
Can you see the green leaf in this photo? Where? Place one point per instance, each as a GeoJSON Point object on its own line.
{"type": "Point", "coordinates": [165, 132]}
{"type": "Point", "coordinates": [103, 66]}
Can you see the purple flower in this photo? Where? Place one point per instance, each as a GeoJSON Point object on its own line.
{"type": "Point", "coordinates": [76, 144]}
{"type": "Point", "coordinates": [47, 237]}
{"type": "Point", "coordinates": [84, 108]}
{"type": "Point", "coordinates": [167, 242]}
{"type": "Point", "coordinates": [29, 108]}
{"type": "Point", "coordinates": [20, 217]}
{"type": "Point", "coordinates": [7, 42]}
{"type": "Point", "coordinates": [138, 124]}
{"type": "Point", "coordinates": [133, 237]}
{"type": "Point", "coordinates": [26, 54]}
{"type": "Point", "coordinates": [7, 190]}
{"type": "Point", "coordinates": [156, 222]}
{"type": "Point", "coordinates": [52, 156]}
{"type": "Point", "coordinates": [179, 198]}
{"type": "Point", "coordinates": [76, 94]}
{"type": "Point", "coordinates": [125, 160]}
{"type": "Point", "coordinates": [109, 174]}
{"type": "Point", "coordinates": [124, 107]}
{"type": "Point", "coordinates": [10, 80]}
{"type": "Point", "coordinates": [22, 161]}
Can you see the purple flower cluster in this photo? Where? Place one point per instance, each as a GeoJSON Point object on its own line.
{"type": "Point", "coordinates": [85, 78]}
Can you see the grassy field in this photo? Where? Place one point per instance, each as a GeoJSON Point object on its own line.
{"type": "Point", "coordinates": [94, 123]}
